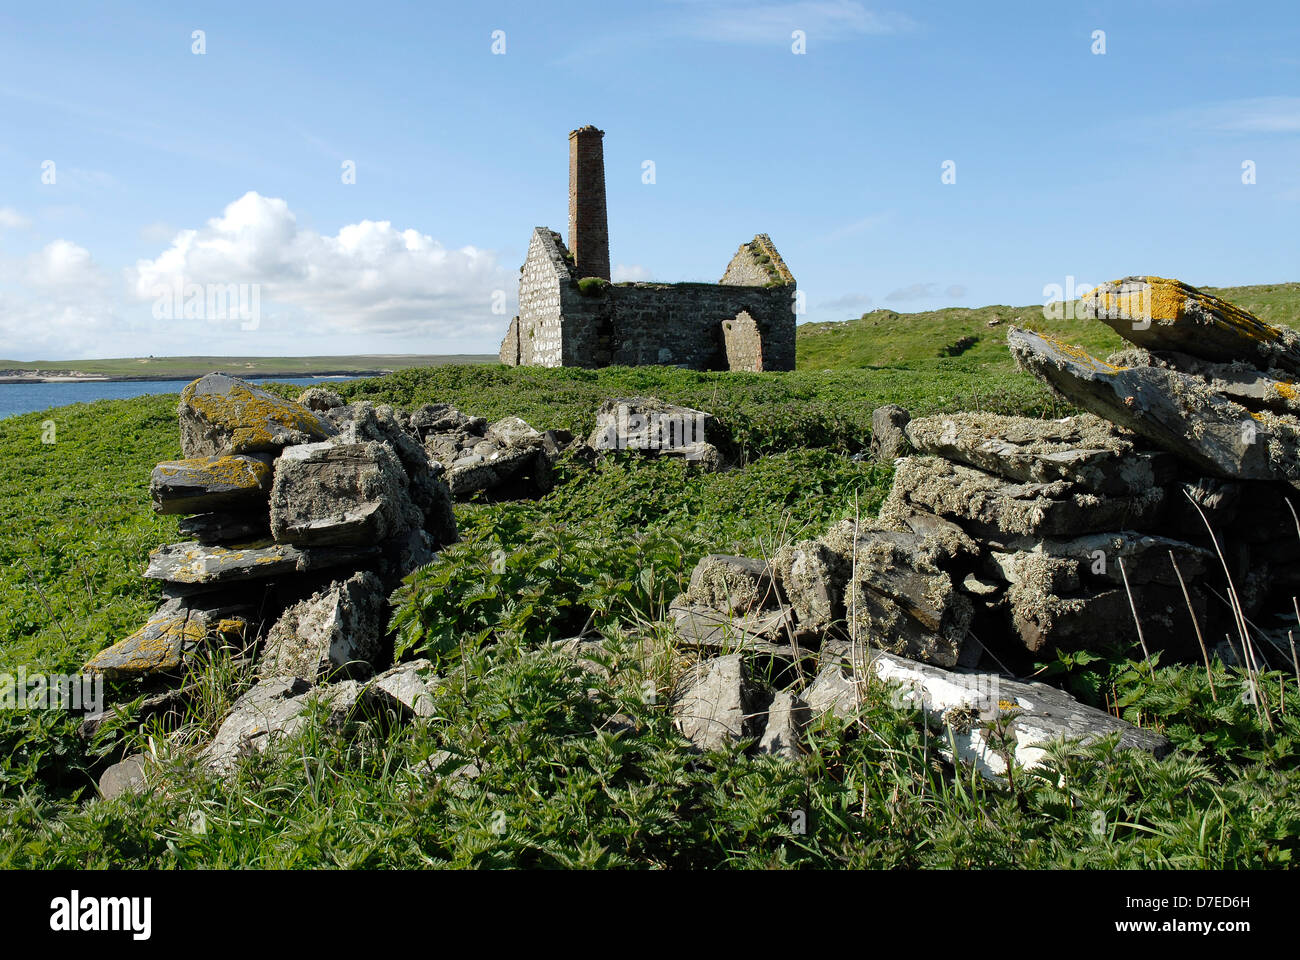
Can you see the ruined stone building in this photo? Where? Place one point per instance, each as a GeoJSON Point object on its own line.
{"type": "Point", "coordinates": [571, 315]}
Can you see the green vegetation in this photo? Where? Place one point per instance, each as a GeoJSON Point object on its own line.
{"type": "Point", "coordinates": [886, 339]}
{"type": "Point", "coordinates": [592, 286]}
{"type": "Point", "coordinates": [530, 760]}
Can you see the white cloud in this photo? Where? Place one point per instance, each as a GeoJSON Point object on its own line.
{"type": "Point", "coordinates": [368, 278]}
{"type": "Point", "coordinates": [850, 301]}
{"type": "Point", "coordinates": [624, 272]}
{"type": "Point", "coordinates": [69, 302]}
{"type": "Point", "coordinates": [821, 20]}
{"type": "Point", "coordinates": [1250, 115]}
{"type": "Point", "coordinates": [11, 219]}
{"type": "Point", "coordinates": [915, 291]}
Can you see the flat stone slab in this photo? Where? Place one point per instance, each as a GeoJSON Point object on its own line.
{"type": "Point", "coordinates": [1161, 314]}
{"type": "Point", "coordinates": [193, 563]}
{"type": "Point", "coordinates": [1173, 410]}
{"type": "Point", "coordinates": [408, 688]}
{"type": "Point", "coordinates": [991, 508]}
{"type": "Point", "coordinates": [703, 627]}
{"type": "Point", "coordinates": [1086, 450]}
{"type": "Point", "coordinates": [967, 703]}
{"type": "Point", "coordinates": [203, 484]}
{"type": "Point", "coordinates": [1238, 381]}
{"type": "Point", "coordinates": [220, 414]}
{"type": "Point", "coordinates": [649, 424]}
{"type": "Point", "coordinates": [173, 631]}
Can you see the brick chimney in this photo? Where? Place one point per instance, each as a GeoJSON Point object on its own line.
{"type": "Point", "coordinates": [588, 224]}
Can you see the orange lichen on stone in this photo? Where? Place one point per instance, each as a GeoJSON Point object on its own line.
{"type": "Point", "coordinates": [1079, 355]}
{"type": "Point", "coordinates": [249, 413]}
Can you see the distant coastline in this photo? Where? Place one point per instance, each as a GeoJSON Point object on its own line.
{"type": "Point", "coordinates": [138, 369]}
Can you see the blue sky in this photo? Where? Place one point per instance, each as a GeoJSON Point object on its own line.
{"type": "Point", "coordinates": [173, 167]}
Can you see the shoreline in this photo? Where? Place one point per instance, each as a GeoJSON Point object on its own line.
{"type": "Point", "coordinates": [180, 378]}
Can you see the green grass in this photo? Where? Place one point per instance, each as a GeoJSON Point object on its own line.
{"type": "Point", "coordinates": [886, 339]}
{"type": "Point", "coordinates": [576, 769]}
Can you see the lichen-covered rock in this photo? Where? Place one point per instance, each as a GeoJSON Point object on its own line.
{"type": "Point", "coordinates": [1085, 450]}
{"type": "Point", "coordinates": [1161, 314]}
{"type": "Point", "coordinates": [1239, 381]}
{"type": "Point", "coordinates": [648, 424]}
{"type": "Point", "coordinates": [702, 627]}
{"type": "Point", "coordinates": [220, 414]}
{"type": "Point", "coordinates": [196, 564]}
{"type": "Point", "coordinates": [204, 484]}
{"type": "Point", "coordinates": [1173, 410]}
{"type": "Point", "coordinates": [319, 399]}
{"type": "Point", "coordinates": [341, 495]}
{"type": "Point", "coordinates": [715, 703]}
{"type": "Point", "coordinates": [899, 601]}
{"type": "Point", "coordinates": [986, 506]}
{"type": "Point", "coordinates": [172, 632]}
{"type": "Point", "coordinates": [733, 585]}
{"type": "Point", "coordinates": [812, 576]}
{"type": "Point", "coordinates": [336, 630]}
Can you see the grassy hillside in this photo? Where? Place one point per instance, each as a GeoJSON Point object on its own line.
{"type": "Point", "coordinates": [557, 783]}
{"type": "Point", "coordinates": [884, 338]}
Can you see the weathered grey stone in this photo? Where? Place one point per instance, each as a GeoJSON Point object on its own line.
{"type": "Point", "coordinates": [888, 439]}
{"type": "Point", "coordinates": [899, 601]}
{"type": "Point", "coordinates": [714, 703]}
{"type": "Point", "coordinates": [787, 715]}
{"type": "Point", "coordinates": [1161, 314]}
{"type": "Point", "coordinates": [513, 431]}
{"type": "Point", "coordinates": [733, 585]}
{"type": "Point", "coordinates": [812, 576]}
{"type": "Point", "coordinates": [220, 414]}
{"type": "Point", "coordinates": [1238, 381]}
{"type": "Point", "coordinates": [125, 776]}
{"type": "Point", "coordinates": [175, 630]}
{"type": "Point", "coordinates": [437, 418]}
{"type": "Point", "coordinates": [649, 424]}
{"type": "Point", "coordinates": [1085, 450]}
{"type": "Point", "coordinates": [226, 527]}
{"type": "Point", "coordinates": [1173, 410]}
{"type": "Point", "coordinates": [408, 689]}
{"type": "Point", "coordinates": [703, 627]}
{"type": "Point", "coordinates": [989, 507]}
{"type": "Point", "coordinates": [341, 495]}
{"type": "Point", "coordinates": [319, 399]}
{"type": "Point", "coordinates": [339, 629]}
{"type": "Point", "coordinates": [273, 712]}
{"type": "Point", "coordinates": [202, 484]}
{"type": "Point", "coordinates": [968, 705]}
{"type": "Point", "coordinates": [193, 563]}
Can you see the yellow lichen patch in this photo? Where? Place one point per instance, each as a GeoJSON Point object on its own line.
{"type": "Point", "coordinates": [250, 414]}
{"type": "Point", "coordinates": [1079, 355]}
{"type": "Point", "coordinates": [230, 471]}
{"type": "Point", "coordinates": [1286, 389]}
{"type": "Point", "coordinates": [1169, 301]}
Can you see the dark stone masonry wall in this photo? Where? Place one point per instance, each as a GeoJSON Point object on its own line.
{"type": "Point", "coordinates": [680, 324]}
